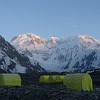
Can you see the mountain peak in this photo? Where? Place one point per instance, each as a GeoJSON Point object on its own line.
{"type": "Point", "coordinates": [54, 39]}
{"type": "Point", "coordinates": [31, 41]}
{"type": "Point", "coordinates": [25, 36]}
{"type": "Point", "coordinates": [87, 38]}
{"type": "Point", "coordinates": [58, 53]}
{"type": "Point", "coordinates": [28, 40]}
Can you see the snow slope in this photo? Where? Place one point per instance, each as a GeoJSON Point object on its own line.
{"type": "Point", "coordinates": [76, 53]}
{"type": "Point", "coordinates": [12, 61]}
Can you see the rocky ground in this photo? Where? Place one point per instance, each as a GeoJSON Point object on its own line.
{"type": "Point", "coordinates": [31, 89]}
{"type": "Point", "coordinates": [46, 92]}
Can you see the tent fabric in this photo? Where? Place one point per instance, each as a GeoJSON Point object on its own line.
{"type": "Point", "coordinates": [46, 79]}
{"type": "Point", "coordinates": [51, 78]}
{"type": "Point", "coordinates": [10, 80]}
{"type": "Point", "coordinates": [78, 81]}
{"type": "Point", "coordinates": [60, 78]}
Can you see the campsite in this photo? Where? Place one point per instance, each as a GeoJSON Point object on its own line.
{"type": "Point", "coordinates": [33, 87]}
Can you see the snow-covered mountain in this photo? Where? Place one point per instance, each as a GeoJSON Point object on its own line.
{"type": "Point", "coordinates": [79, 52]}
{"type": "Point", "coordinates": [12, 61]}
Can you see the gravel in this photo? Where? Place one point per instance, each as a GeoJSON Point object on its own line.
{"type": "Point", "coordinates": [42, 91]}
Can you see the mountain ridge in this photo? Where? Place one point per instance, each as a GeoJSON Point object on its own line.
{"type": "Point", "coordinates": [13, 61]}
{"type": "Point", "coordinates": [60, 54]}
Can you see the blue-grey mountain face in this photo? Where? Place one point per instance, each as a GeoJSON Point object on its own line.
{"type": "Point", "coordinates": [77, 53]}
{"type": "Point", "coordinates": [12, 61]}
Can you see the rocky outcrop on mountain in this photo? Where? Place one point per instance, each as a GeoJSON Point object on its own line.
{"type": "Point", "coordinates": [12, 61]}
{"type": "Point", "coordinates": [76, 53]}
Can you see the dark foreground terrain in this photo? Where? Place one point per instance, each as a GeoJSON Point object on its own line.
{"type": "Point", "coordinates": [46, 92]}
{"type": "Point", "coordinates": [31, 89]}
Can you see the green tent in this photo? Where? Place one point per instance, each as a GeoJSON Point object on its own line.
{"type": "Point", "coordinates": [51, 78]}
{"type": "Point", "coordinates": [59, 78]}
{"type": "Point", "coordinates": [46, 79]}
{"type": "Point", "coordinates": [78, 81]}
{"type": "Point", "coordinates": [10, 80]}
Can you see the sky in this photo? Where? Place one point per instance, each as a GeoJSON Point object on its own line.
{"type": "Point", "coordinates": [47, 18]}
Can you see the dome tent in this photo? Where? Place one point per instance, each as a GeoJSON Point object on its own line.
{"type": "Point", "coordinates": [46, 79]}
{"type": "Point", "coordinates": [51, 78]}
{"type": "Point", "coordinates": [59, 78]}
{"type": "Point", "coordinates": [78, 81]}
{"type": "Point", "coordinates": [10, 80]}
